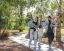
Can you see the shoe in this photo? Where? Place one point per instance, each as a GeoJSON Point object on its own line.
{"type": "Point", "coordinates": [34, 48]}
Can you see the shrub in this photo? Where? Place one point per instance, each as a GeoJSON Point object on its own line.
{"type": "Point", "coordinates": [4, 35]}
{"type": "Point", "coordinates": [45, 35]}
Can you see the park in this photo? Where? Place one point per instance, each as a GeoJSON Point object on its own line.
{"type": "Point", "coordinates": [17, 17]}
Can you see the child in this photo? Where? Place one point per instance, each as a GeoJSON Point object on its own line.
{"type": "Point", "coordinates": [40, 34]}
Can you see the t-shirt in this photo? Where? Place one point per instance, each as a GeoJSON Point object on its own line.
{"type": "Point", "coordinates": [40, 32]}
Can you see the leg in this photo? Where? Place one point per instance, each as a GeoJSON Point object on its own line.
{"type": "Point", "coordinates": [31, 38]}
{"type": "Point", "coordinates": [50, 41]}
{"type": "Point", "coordinates": [35, 43]}
{"type": "Point", "coordinates": [40, 41]}
{"type": "Point", "coordinates": [30, 42]}
{"type": "Point", "coordinates": [35, 40]}
{"type": "Point", "coordinates": [51, 38]}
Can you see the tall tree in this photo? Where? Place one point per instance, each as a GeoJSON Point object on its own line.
{"type": "Point", "coordinates": [58, 34]}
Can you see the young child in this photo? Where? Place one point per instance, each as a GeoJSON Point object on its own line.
{"type": "Point", "coordinates": [40, 34]}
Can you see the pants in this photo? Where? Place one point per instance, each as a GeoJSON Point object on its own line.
{"type": "Point", "coordinates": [50, 37]}
{"type": "Point", "coordinates": [33, 36]}
{"type": "Point", "coordinates": [40, 41]}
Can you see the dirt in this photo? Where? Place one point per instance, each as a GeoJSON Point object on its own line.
{"type": "Point", "coordinates": [8, 45]}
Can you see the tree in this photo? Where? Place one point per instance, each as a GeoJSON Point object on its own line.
{"type": "Point", "coordinates": [7, 11]}
{"type": "Point", "coordinates": [58, 36]}
{"type": "Point", "coordinates": [62, 11]}
{"type": "Point", "coordinates": [4, 14]}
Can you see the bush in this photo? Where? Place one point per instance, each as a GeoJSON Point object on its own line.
{"type": "Point", "coordinates": [4, 34]}
{"type": "Point", "coordinates": [45, 35]}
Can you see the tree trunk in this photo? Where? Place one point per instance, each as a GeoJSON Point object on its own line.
{"type": "Point", "coordinates": [58, 31]}
{"type": "Point", "coordinates": [58, 34]}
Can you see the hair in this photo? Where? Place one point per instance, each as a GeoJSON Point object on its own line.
{"type": "Point", "coordinates": [40, 26]}
{"type": "Point", "coordinates": [35, 23]}
{"type": "Point", "coordinates": [37, 17]}
{"type": "Point", "coordinates": [49, 17]}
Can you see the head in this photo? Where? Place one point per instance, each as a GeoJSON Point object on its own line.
{"type": "Point", "coordinates": [37, 17]}
{"type": "Point", "coordinates": [40, 26]}
{"type": "Point", "coordinates": [49, 17]}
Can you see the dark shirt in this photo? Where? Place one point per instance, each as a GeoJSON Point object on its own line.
{"type": "Point", "coordinates": [49, 27]}
{"type": "Point", "coordinates": [33, 28]}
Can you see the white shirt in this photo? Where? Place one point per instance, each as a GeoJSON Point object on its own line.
{"type": "Point", "coordinates": [40, 32]}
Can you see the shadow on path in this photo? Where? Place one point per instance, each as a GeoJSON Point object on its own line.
{"type": "Point", "coordinates": [50, 49]}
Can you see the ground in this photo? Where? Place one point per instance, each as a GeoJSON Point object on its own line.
{"type": "Point", "coordinates": [8, 45]}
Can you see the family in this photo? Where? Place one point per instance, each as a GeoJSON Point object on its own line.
{"type": "Point", "coordinates": [36, 32]}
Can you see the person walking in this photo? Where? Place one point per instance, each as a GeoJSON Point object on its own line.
{"type": "Point", "coordinates": [33, 35]}
{"type": "Point", "coordinates": [40, 35]}
{"type": "Point", "coordinates": [50, 32]}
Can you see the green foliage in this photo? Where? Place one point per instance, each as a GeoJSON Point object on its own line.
{"type": "Point", "coordinates": [45, 35]}
{"type": "Point", "coordinates": [7, 18]}
{"type": "Point", "coordinates": [63, 11]}
{"type": "Point", "coordinates": [31, 3]}
{"type": "Point", "coordinates": [54, 6]}
{"type": "Point", "coordinates": [20, 23]}
{"type": "Point", "coordinates": [9, 14]}
{"type": "Point", "coordinates": [29, 16]}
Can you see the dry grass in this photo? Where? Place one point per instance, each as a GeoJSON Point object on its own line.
{"type": "Point", "coordinates": [9, 45]}
{"type": "Point", "coordinates": [4, 34]}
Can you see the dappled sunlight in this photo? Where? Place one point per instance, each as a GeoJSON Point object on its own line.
{"type": "Point", "coordinates": [19, 17]}
{"type": "Point", "coordinates": [25, 42]}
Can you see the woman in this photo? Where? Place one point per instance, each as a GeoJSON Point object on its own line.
{"type": "Point", "coordinates": [50, 32]}
{"type": "Point", "coordinates": [33, 35]}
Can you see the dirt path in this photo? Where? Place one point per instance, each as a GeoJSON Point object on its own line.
{"type": "Point", "coordinates": [8, 45]}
